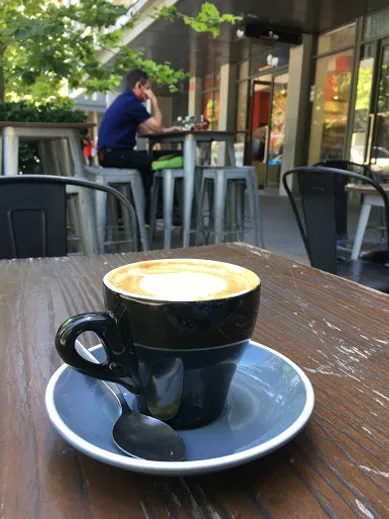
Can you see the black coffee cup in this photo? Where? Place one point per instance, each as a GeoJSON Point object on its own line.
{"type": "Point", "coordinates": [174, 332]}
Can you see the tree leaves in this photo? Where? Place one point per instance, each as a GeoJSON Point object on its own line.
{"type": "Point", "coordinates": [46, 45]}
{"type": "Point", "coordinates": [209, 19]}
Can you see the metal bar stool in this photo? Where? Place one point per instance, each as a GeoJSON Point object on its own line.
{"type": "Point", "coordinates": [166, 177]}
{"type": "Point", "coordinates": [130, 177]}
{"type": "Point", "coordinates": [229, 184]}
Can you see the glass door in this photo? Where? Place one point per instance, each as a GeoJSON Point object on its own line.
{"type": "Point", "coordinates": [370, 138]}
{"type": "Point", "coordinates": [267, 126]}
{"type": "Point", "coordinates": [276, 130]}
{"type": "Point", "coordinates": [377, 154]}
{"type": "Point", "coordinates": [258, 142]}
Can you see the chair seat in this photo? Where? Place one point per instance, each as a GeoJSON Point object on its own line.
{"type": "Point", "coordinates": [174, 172]}
{"type": "Point", "coordinates": [365, 273]}
{"type": "Point", "coordinates": [111, 175]}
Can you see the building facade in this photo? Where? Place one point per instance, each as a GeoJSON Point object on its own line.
{"type": "Point", "coordinates": [327, 98]}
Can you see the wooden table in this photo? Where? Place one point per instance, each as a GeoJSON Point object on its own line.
{"type": "Point", "coordinates": [190, 140]}
{"type": "Point", "coordinates": [371, 198]}
{"type": "Point", "coordinates": [336, 330]}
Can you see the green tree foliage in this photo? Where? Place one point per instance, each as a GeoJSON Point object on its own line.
{"type": "Point", "coordinates": [46, 46]}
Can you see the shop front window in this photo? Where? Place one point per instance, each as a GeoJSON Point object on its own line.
{"type": "Point", "coordinates": [362, 104]}
{"type": "Point", "coordinates": [242, 104]}
{"type": "Point", "coordinates": [211, 100]}
{"type": "Point", "coordinates": [376, 24]}
{"type": "Point", "coordinates": [330, 108]}
{"type": "Point", "coordinates": [211, 103]}
{"type": "Point", "coordinates": [336, 39]}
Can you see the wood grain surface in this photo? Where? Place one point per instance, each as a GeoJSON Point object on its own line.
{"type": "Point", "coordinates": [366, 189]}
{"type": "Point", "coordinates": [337, 331]}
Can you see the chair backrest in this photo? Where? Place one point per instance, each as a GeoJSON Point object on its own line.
{"type": "Point", "coordinates": [318, 188]}
{"type": "Point", "coordinates": [341, 198]}
{"type": "Point", "coordinates": [354, 167]}
{"type": "Point", "coordinates": [33, 214]}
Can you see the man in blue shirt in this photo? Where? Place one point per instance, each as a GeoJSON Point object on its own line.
{"type": "Point", "coordinates": [120, 124]}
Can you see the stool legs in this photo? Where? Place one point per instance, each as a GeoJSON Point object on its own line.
{"type": "Point", "coordinates": [10, 152]}
{"type": "Point", "coordinates": [140, 204]}
{"type": "Point", "coordinates": [200, 212]}
{"type": "Point", "coordinates": [240, 209]}
{"type": "Point", "coordinates": [101, 217]}
{"type": "Point", "coordinates": [154, 207]}
{"type": "Point", "coordinates": [219, 207]}
{"type": "Point", "coordinates": [168, 183]}
{"type": "Point", "coordinates": [257, 221]}
{"type": "Point", "coordinates": [233, 182]}
{"type": "Point", "coordinates": [128, 234]}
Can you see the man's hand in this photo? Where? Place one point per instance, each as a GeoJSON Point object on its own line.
{"type": "Point", "coordinates": [172, 129]}
{"type": "Point", "coordinates": [150, 95]}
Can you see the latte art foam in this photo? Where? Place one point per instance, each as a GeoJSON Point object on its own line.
{"type": "Point", "coordinates": [197, 285]}
{"type": "Point", "coordinates": [182, 280]}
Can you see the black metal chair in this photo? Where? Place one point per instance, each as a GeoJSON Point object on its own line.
{"type": "Point", "coordinates": [342, 199]}
{"type": "Point", "coordinates": [33, 214]}
{"type": "Point", "coordinates": [317, 224]}
{"type": "Point", "coordinates": [354, 167]}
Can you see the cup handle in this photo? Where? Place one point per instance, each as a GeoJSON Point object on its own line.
{"type": "Point", "coordinates": [105, 327]}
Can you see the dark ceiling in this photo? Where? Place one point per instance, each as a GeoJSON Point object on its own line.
{"type": "Point", "coordinates": [174, 42]}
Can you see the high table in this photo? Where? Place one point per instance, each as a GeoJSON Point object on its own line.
{"type": "Point", "coordinates": [12, 132]}
{"type": "Point", "coordinates": [337, 467]}
{"type": "Point", "coordinates": [63, 160]}
{"type": "Point", "coordinates": [189, 140]}
{"type": "Point", "coordinates": [371, 198]}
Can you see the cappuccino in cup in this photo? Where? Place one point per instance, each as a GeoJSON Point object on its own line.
{"type": "Point", "coordinates": [182, 280]}
{"type": "Point", "coordinates": [194, 314]}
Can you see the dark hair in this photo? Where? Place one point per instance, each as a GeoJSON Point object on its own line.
{"type": "Point", "coordinates": [136, 75]}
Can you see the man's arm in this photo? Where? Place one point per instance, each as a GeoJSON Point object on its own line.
{"type": "Point", "coordinates": [143, 130]}
{"type": "Point", "coordinates": [154, 124]}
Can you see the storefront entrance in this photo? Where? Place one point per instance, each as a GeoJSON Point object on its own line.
{"type": "Point", "coordinates": [268, 101]}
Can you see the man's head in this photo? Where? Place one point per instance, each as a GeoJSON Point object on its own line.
{"type": "Point", "coordinates": [139, 81]}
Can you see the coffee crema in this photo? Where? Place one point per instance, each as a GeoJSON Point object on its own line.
{"type": "Point", "coordinates": [182, 280]}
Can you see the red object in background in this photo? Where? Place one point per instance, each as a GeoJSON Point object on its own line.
{"type": "Point", "coordinates": [88, 147]}
{"type": "Point", "coordinates": [343, 64]}
{"type": "Point", "coordinates": [260, 109]}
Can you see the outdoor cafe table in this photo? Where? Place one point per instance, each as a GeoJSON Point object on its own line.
{"type": "Point", "coordinates": [61, 160]}
{"type": "Point", "coordinates": [372, 198]}
{"type": "Point", "coordinates": [337, 467]}
{"type": "Point", "coordinates": [190, 140]}
{"type": "Point", "coordinates": [11, 132]}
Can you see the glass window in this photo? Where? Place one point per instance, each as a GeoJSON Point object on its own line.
{"type": "Point", "coordinates": [241, 118]}
{"type": "Point", "coordinates": [211, 103]}
{"type": "Point", "coordinates": [211, 100]}
{"type": "Point", "coordinates": [342, 37]}
{"type": "Point", "coordinates": [362, 104]}
{"type": "Point", "coordinates": [278, 114]}
{"type": "Point", "coordinates": [330, 108]}
{"type": "Point", "coordinates": [376, 24]}
{"type": "Point", "coordinates": [242, 104]}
